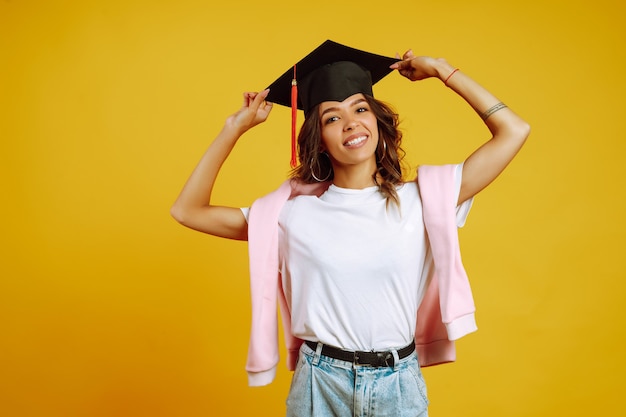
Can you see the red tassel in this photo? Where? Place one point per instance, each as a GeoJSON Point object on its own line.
{"type": "Point", "coordinates": [294, 113]}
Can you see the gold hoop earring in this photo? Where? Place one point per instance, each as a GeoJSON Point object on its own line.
{"type": "Point", "coordinates": [317, 162]}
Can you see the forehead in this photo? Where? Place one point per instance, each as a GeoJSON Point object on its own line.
{"type": "Point", "coordinates": [353, 99]}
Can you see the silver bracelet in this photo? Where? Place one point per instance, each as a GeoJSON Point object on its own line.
{"type": "Point", "coordinates": [492, 110]}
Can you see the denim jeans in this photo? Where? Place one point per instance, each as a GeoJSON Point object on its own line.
{"type": "Point", "coordinates": [325, 387]}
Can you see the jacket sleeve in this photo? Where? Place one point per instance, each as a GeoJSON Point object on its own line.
{"type": "Point", "coordinates": [265, 285]}
{"type": "Point", "coordinates": [263, 354]}
{"type": "Point", "coordinates": [447, 311]}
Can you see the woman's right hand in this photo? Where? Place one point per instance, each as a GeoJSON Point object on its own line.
{"type": "Point", "coordinates": [193, 207]}
{"type": "Point", "coordinates": [254, 110]}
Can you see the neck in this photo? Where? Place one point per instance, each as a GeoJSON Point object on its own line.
{"type": "Point", "coordinates": [355, 176]}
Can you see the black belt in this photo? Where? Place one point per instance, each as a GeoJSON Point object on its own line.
{"type": "Point", "coordinates": [374, 359]}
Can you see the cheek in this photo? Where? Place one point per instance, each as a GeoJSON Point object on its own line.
{"type": "Point", "coordinates": [324, 140]}
{"type": "Point", "coordinates": [329, 136]}
{"type": "Point", "coordinates": [373, 124]}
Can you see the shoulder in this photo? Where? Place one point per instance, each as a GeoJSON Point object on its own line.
{"type": "Point", "coordinates": [450, 170]}
{"type": "Point", "coordinates": [439, 177]}
{"type": "Point", "coordinates": [407, 189]}
{"type": "Point", "coordinates": [409, 196]}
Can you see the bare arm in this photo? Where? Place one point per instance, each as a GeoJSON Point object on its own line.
{"type": "Point", "coordinates": [193, 207]}
{"type": "Point", "coordinates": [508, 130]}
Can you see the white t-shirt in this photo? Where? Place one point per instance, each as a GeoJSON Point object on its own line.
{"type": "Point", "coordinates": [354, 269]}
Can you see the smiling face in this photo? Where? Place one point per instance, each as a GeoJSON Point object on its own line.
{"type": "Point", "coordinates": [349, 132]}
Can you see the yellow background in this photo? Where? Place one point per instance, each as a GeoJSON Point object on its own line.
{"type": "Point", "coordinates": [109, 308]}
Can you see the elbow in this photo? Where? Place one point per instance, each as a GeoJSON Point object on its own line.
{"type": "Point", "coordinates": [178, 213]}
{"type": "Point", "coordinates": [521, 131]}
{"type": "Point", "coordinates": [525, 132]}
{"type": "Point", "coordinates": [525, 128]}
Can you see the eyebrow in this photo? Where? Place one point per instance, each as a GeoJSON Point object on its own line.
{"type": "Point", "coordinates": [355, 102]}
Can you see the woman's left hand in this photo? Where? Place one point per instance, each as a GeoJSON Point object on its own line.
{"type": "Point", "coordinates": [418, 67]}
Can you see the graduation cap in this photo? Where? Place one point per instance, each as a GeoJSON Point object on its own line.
{"type": "Point", "coordinates": [331, 72]}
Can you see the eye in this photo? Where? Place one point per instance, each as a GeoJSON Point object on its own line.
{"type": "Point", "coordinates": [331, 119]}
{"type": "Point", "coordinates": [362, 109]}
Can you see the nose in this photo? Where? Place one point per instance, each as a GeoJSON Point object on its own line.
{"type": "Point", "coordinates": [350, 124]}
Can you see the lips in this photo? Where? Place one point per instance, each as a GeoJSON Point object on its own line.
{"type": "Point", "coordinates": [355, 140]}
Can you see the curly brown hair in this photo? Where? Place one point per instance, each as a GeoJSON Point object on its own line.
{"type": "Point", "coordinates": [315, 167]}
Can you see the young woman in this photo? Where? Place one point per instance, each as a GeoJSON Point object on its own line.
{"type": "Point", "coordinates": [346, 246]}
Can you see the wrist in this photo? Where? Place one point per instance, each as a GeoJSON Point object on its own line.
{"type": "Point", "coordinates": [232, 131]}
{"type": "Point", "coordinates": [444, 69]}
{"type": "Point", "coordinates": [236, 125]}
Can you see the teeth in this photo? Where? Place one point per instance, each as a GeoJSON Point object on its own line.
{"type": "Point", "coordinates": [355, 141]}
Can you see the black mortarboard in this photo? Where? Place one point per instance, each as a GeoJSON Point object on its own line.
{"type": "Point", "coordinates": [331, 72]}
{"type": "Point", "coordinates": [321, 75]}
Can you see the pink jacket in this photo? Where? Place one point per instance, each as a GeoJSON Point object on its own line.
{"type": "Point", "coordinates": [445, 314]}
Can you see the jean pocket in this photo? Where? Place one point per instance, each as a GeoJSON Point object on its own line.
{"type": "Point", "coordinates": [416, 372]}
